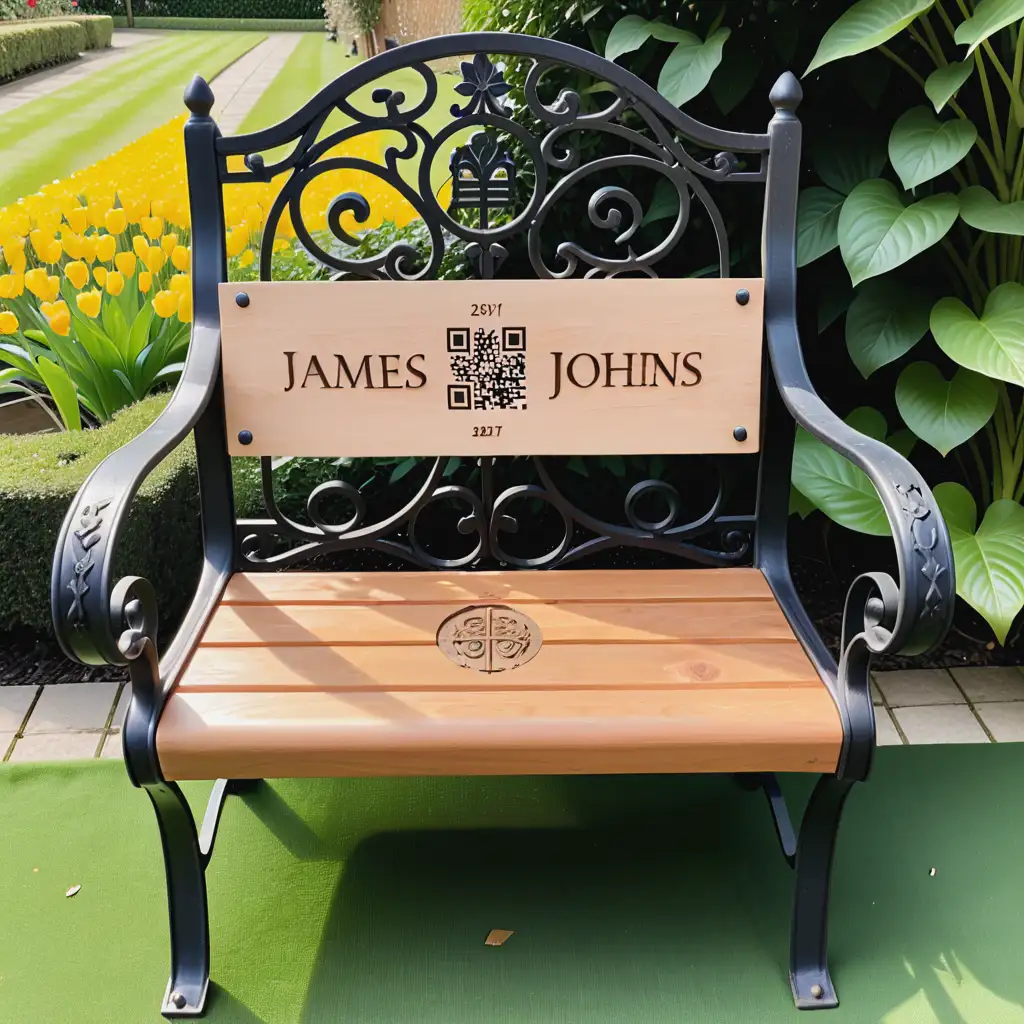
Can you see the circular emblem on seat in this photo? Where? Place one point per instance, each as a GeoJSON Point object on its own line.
{"type": "Point", "coordinates": [489, 638]}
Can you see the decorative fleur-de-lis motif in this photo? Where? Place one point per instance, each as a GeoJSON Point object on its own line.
{"type": "Point", "coordinates": [484, 84]}
{"type": "Point", "coordinates": [83, 540]}
{"type": "Point", "coordinates": [925, 539]}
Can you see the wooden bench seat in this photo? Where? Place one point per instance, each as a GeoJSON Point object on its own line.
{"type": "Point", "coordinates": [310, 674]}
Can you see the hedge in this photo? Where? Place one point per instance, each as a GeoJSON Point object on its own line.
{"type": "Point", "coordinates": [99, 29]}
{"type": "Point", "coordinates": [31, 46]}
{"type": "Point", "coordinates": [40, 475]}
{"type": "Point", "coordinates": [282, 10]}
{"type": "Point", "coordinates": [226, 24]}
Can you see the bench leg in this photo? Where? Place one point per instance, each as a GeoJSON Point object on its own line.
{"type": "Point", "coordinates": [808, 961]}
{"type": "Point", "coordinates": [186, 903]}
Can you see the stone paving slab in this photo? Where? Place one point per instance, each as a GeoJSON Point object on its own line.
{"type": "Point", "coordinates": [72, 707]}
{"type": "Point", "coordinates": [56, 746]}
{"type": "Point", "coordinates": [990, 684]}
{"type": "Point", "coordinates": [940, 723]}
{"type": "Point", "coordinates": [14, 704]}
{"type": "Point", "coordinates": [238, 87]}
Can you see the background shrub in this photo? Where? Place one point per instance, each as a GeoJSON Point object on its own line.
{"type": "Point", "coordinates": [32, 45]}
{"type": "Point", "coordinates": [99, 29]}
{"type": "Point", "coordinates": [224, 24]}
{"type": "Point", "coordinates": [287, 10]}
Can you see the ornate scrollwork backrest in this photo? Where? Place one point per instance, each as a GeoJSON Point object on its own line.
{"type": "Point", "coordinates": [510, 164]}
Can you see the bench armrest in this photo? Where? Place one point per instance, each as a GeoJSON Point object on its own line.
{"type": "Point", "coordinates": [88, 610]}
{"type": "Point", "coordinates": [914, 616]}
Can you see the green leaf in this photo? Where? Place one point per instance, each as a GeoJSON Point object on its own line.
{"type": "Point", "coordinates": [944, 413]}
{"type": "Point", "coordinates": [841, 490]}
{"type": "Point", "coordinates": [981, 209]}
{"type": "Point", "coordinates": [799, 505]}
{"type": "Point", "coordinates": [844, 158]}
{"type": "Point", "coordinates": [62, 390]}
{"type": "Point", "coordinates": [690, 66]}
{"type": "Point", "coordinates": [577, 465]}
{"type": "Point", "coordinates": [734, 78]}
{"type": "Point", "coordinates": [627, 34]}
{"type": "Point", "coordinates": [922, 147]}
{"type": "Point", "coordinates": [902, 441]}
{"type": "Point", "coordinates": [671, 34]}
{"type": "Point", "coordinates": [403, 467]}
{"type": "Point", "coordinates": [115, 325]}
{"type": "Point", "coordinates": [886, 320]}
{"type": "Point", "coordinates": [615, 463]}
{"type": "Point", "coordinates": [944, 83]}
{"type": "Point", "coordinates": [138, 336]}
{"type": "Point", "coordinates": [989, 17]}
{"type": "Point", "coordinates": [864, 26]}
{"type": "Point", "coordinates": [877, 233]}
{"type": "Point", "coordinates": [664, 202]}
{"type": "Point", "coordinates": [992, 345]}
{"type": "Point", "coordinates": [834, 298]}
{"type": "Point", "coordinates": [989, 560]}
{"type": "Point", "coordinates": [817, 223]}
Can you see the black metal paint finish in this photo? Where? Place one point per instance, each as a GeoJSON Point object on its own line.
{"type": "Point", "coordinates": [98, 621]}
{"type": "Point", "coordinates": [242, 299]}
{"type": "Point", "coordinates": [743, 296]}
{"type": "Point", "coordinates": [740, 433]}
{"type": "Point", "coordinates": [245, 437]}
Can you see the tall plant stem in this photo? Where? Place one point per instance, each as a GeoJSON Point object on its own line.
{"type": "Point", "coordinates": [936, 57]}
{"type": "Point", "coordinates": [997, 465]}
{"type": "Point", "coordinates": [993, 123]}
{"type": "Point", "coordinates": [940, 57]}
{"type": "Point", "coordinates": [946, 20]}
{"type": "Point", "coordinates": [977, 297]}
{"type": "Point", "coordinates": [983, 476]}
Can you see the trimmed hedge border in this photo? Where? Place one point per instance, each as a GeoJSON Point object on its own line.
{"type": "Point", "coordinates": [40, 475]}
{"type": "Point", "coordinates": [281, 10]}
{"type": "Point", "coordinates": [99, 29]}
{"type": "Point", "coordinates": [29, 47]}
{"type": "Point", "coordinates": [227, 24]}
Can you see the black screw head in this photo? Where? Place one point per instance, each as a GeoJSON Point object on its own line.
{"type": "Point", "coordinates": [245, 437]}
{"type": "Point", "coordinates": [743, 296]}
{"type": "Point", "coordinates": [740, 433]}
{"type": "Point", "coordinates": [242, 299]}
{"type": "Point", "coordinates": [817, 991]}
{"type": "Point", "coordinates": [178, 1001]}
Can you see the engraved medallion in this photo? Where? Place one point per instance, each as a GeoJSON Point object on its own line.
{"type": "Point", "coordinates": [489, 638]}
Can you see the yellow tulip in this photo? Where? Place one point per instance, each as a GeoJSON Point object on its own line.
{"type": "Point", "coordinates": [155, 259]}
{"type": "Point", "coordinates": [238, 239]}
{"type": "Point", "coordinates": [78, 219]}
{"type": "Point", "coordinates": [60, 323]}
{"type": "Point", "coordinates": [165, 304]}
{"type": "Point", "coordinates": [181, 257]}
{"type": "Point", "coordinates": [280, 244]}
{"type": "Point", "coordinates": [247, 258]}
{"type": "Point", "coordinates": [14, 255]}
{"type": "Point", "coordinates": [125, 262]}
{"type": "Point", "coordinates": [141, 246]}
{"type": "Point", "coordinates": [35, 282]}
{"type": "Point", "coordinates": [97, 212]}
{"type": "Point", "coordinates": [158, 206]}
{"type": "Point", "coordinates": [253, 215]}
{"type": "Point", "coordinates": [106, 246]}
{"type": "Point", "coordinates": [52, 287]}
{"type": "Point", "coordinates": [89, 302]}
{"type": "Point", "coordinates": [169, 242]}
{"type": "Point", "coordinates": [72, 244]}
{"type": "Point", "coordinates": [185, 307]}
{"type": "Point", "coordinates": [12, 286]}
{"type": "Point", "coordinates": [77, 273]}
{"type": "Point", "coordinates": [152, 226]}
{"type": "Point", "coordinates": [40, 240]}
{"type": "Point", "coordinates": [145, 281]}
{"type": "Point", "coordinates": [115, 221]}
{"type": "Point", "coordinates": [99, 275]}
{"type": "Point", "coordinates": [89, 248]}
{"type": "Point", "coordinates": [53, 251]}
{"type": "Point", "coordinates": [8, 323]}
{"type": "Point", "coordinates": [114, 283]}
{"type": "Point", "coordinates": [180, 283]}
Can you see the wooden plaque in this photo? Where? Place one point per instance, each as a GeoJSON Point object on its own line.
{"type": "Point", "coordinates": [493, 367]}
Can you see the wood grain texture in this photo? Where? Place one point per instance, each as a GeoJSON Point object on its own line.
{"type": "Point", "coordinates": [306, 674]}
{"type": "Point", "coordinates": [560, 586]}
{"type": "Point", "coordinates": [371, 371]}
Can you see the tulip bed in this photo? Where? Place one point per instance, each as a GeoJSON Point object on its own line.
{"type": "Point", "coordinates": [95, 291]}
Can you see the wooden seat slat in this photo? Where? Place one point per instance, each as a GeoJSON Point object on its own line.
{"type": "Point", "coordinates": [556, 667]}
{"type": "Point", "coordinates": [458, 588]}
{"type": "Point", "coordinates": [312, 734]}
{"type": "Point", "coordinates": [711, 622]}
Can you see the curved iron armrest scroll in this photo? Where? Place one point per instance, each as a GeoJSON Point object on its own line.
{"type": "Point", "coordinates": [910, 617]}
{"type": "Point", "coordinates": [89, 612]}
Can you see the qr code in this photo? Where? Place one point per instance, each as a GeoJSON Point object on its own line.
{"type": "Point", "coordinates": [489, 371]}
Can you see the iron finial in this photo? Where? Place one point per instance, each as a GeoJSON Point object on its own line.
{"type": "Point", "coordinates": [786, 93]}
{"type": "Point", "coordinates": [199, 97]}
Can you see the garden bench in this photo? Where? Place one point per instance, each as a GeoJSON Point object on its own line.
{"type": "Point", "coordinates": [711, 665]}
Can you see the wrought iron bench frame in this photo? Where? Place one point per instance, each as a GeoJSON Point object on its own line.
{"type": "Point", "coordinates": [102, 620]}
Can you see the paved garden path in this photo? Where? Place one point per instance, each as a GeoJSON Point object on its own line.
{"type": "Point", "coordinates": [42, 83]}
{"type": "Point", "coordinates": [963, 705]}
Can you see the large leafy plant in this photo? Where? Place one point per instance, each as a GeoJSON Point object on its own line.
{"type": "Point", "coordinates": [929, 225]}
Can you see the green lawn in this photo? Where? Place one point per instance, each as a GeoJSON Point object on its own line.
{"type": "Point", "coordinates": [74, 127]}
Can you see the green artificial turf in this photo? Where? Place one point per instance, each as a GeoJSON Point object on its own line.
{"type": "Point", "coordinates": [644, 900]}
{"type": "Point", "coordinates": [52, 136]}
